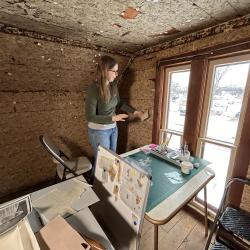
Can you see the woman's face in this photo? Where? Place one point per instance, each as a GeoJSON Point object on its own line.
{"type": "Point", "coordinates": [112, 73]}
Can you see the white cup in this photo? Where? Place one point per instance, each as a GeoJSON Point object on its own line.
{"type": "Point", "coordinates": [186, 167]}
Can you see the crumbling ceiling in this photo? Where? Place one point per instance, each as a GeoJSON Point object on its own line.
{"type": "Point", "coordinates": [119, 25]}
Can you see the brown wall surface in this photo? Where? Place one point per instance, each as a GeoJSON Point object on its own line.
{"type": "Point", "coordinates": [42, 89]}
{"type": "Point", "coordinates": [143, 70]}
{"type": "Point", "coordinates": [137, 90]}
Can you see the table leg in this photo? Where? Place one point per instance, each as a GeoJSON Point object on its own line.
{"type": "Point", "coordinates": [205, 208]}
{"type": "Point", "coordinates": [155, 237]}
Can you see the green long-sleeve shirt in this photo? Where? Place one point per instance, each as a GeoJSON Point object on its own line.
{"type": "Point", "coordinates": [98, 111]}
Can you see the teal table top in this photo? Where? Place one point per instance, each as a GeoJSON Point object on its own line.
{"type": "Point", "coordinates": [166, 177]}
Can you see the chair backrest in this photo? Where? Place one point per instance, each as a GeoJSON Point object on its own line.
{"type": "Point", "coordinates": [51, 147]}
{"type": "Point", "coordinates": [55, 152]}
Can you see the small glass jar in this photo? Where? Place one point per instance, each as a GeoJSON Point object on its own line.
{"type": "Point", "coordinates": [186, 153]}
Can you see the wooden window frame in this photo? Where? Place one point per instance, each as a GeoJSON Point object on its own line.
{"type": "Point", "coordinates": [202, 139]}
{"type": "Point", "coordinates": [165, 99]}
{"type": "Point", "coordinates": [159, 97]}
{"type": "Point", "coordinates": [242, 156]}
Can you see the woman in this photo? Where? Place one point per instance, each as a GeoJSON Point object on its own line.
{"type": "Point", "coordinates": [101, 103]}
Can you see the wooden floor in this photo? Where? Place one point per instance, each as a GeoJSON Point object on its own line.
{"type": "Point", "coordinates": [182, 232]}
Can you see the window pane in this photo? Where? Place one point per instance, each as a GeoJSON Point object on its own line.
{"type": "Point", "coordinates": [175, 142]}
{"type": "Point", "coordinates": [219, 156]}
{"type": "Point", "coordinates": [229, 83]}
{"type": "Point", "coordinates": [172, 140]}
{"type": "Point", "coordinates": [178, 89]}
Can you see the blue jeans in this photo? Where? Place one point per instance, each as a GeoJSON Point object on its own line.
{"type": "Point", "coordinates": [106, 138]}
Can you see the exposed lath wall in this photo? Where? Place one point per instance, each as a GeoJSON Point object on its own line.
{"type": "Point", "coordinates": [17, 31]}
{"type": "Point", "coordinates": [43, 86]}
{"type": "Point", "coordinates": [143, 73]}
{"type": "Point", "coordinates": [211, 31]}
{"type": "Point", "coordinates": [42, 90]}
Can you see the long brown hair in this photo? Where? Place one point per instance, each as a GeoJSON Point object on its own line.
{"type": "Point", "coordinates": [106, 91]}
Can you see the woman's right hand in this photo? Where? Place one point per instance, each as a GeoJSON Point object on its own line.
{"type": "Point", "coordinates": [119, 118]}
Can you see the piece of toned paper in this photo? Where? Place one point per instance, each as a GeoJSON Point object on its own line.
{"type": "Point", "coordinates": [86, 199]}
{"type": "Point", "coordinates": [145, 115]}
{"type": "Point", "coordinates": [59, 235]}
{"type": "Point", "coordinates": [14, 211]}
{"type": "Point", "coordinates": [52, 204]}
{"type": "Point", "coordinates": [77, 188]}
{"type": "Point", "coordinates": [20, 237]}
{"type": "Point", "coordinates": [58, 202]}
{"type": "Point", "coordinates": [11, 240]}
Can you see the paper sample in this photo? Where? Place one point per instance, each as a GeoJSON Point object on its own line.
{"type": "Point", "coordinates": [174, 177]}
{"type": "Point", "coordinates": [14, 211]}
{"type": "Point", "coordinates": [106, 165]}
{"type": "Point", "coordinates": [133, 188]}
{"type": "Point", "coordinates": [145, 115]}
{"type": "Point", "coordinates": [20, 237]}
{"type": "Point", "coordinates": [11, 240]}
{"type": "Point", "coordinates": [59, 201]}
{"type": "Point", "coordinates": [59, 235]}
{"type": "Point", "coordinates": [53, 203]}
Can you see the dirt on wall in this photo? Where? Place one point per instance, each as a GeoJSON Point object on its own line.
{"type": "Point", "coordinates": [42, 91]}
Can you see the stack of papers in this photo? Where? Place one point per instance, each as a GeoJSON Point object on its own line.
{"type": "Point", "coordinates": [15, 231]}
{"type": "Point", "coordinates": [14, 211]}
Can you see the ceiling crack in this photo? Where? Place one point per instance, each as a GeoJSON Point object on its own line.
{"type": "Point", "coordinates": [197, 6]}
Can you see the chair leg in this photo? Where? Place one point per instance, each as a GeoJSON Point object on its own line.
{"type": "Point", "coordinates": [216, 220]}
{"type": "Point", "coordinates": [56, 178]}
{"type": "Point", "coordinates": [210, 235]}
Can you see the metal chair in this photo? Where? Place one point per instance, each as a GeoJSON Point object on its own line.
{"type": "Point", "coordinates": [231, 225]}
{"type": "Point", "coordinates": [66, 168]}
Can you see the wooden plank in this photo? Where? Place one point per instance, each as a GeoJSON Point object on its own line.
{"type": "Point", "coordinates": [169, 225]}
{"type": "Point", "coordinates": [195, 240]}
{"type": "Point", "coordinates": [146, 227]}
{"type": "Point", "coordinates": [147, 241]}
{"type": "Point", "coordinates": [178, 233]}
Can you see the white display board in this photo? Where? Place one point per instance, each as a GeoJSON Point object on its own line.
{"type": "Point", "coordinates": [123, 191]}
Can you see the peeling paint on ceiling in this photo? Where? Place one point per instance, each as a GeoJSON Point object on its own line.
{"type": "Point", "coordinates": [166, 33]}
{"type": "Point", "coordinates": [143, 24]}
{"type": "Point", "coordinates": [130, 13]}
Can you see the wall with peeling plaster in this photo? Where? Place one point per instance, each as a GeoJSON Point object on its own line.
{"type": "Point", "coordinates": [142, 73]}
{"type": "Point", "coordinates": [129, 25]}
{"type": "Point", "coordinates": [42, 91]}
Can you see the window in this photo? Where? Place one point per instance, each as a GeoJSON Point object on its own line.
{"type": "Point", "coordinates": [174, 104]}
{"type": "Point", "coordinates": [216, 123]}
{"type": "Point", "coordinates": [225, 102]}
